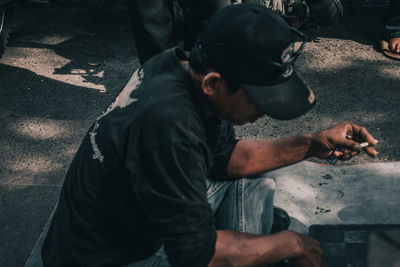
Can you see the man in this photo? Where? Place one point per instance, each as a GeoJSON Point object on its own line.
{"type": "Point", "coordinates": [156, 181]}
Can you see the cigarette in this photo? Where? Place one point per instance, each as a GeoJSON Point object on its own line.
{"type": "Point", "coordinates": [365, 144]}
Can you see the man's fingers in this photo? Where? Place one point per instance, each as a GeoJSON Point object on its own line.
{"type": "Point", "coordinates": [348, 155]}
{"type": "Point", "coordinates": [345, 154]}
{"type": "Point", "coordinates": [316, 246]}
{"type": "Point", "coordinates": [362, 134]}
{"type": "Point", "coordinates": [311, 255]}
{"type": "Point", "coordinates": [319, 250]}
{"type": "Point", "coordinates": [353, 146]}
{"type": "Point", "coordinates": [371, 151]}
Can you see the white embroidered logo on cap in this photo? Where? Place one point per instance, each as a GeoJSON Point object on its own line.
{"type": "Point", "coordinates": [286, 55]}
{"type": "Point", "coordinates": [288, 72]}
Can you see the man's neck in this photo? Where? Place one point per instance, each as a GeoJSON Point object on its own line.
{"type": "Point", "coordinates": [204, 103]}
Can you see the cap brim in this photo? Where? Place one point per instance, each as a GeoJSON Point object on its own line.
{"type": "Point", "coordinates": [284, 101]}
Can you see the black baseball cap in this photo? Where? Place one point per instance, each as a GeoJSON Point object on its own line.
{"type": "Point", "coordinates": [253, 47]}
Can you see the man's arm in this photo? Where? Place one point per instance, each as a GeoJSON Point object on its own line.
{"type": "Point", "coordinates": [251, 157]}
{"type": "Point", "coordinates": [241, 249]}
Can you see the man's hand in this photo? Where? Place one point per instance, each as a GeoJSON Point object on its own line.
{"type": "Point", "coordinates": [310, 253]}
{"type": "Point", "coordinates": [241, 249]}
{"type": "Point", "coordinates": [343, 141]}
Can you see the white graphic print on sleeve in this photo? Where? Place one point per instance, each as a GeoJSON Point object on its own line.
{"type": "Point", "coordinates": [123, 100]}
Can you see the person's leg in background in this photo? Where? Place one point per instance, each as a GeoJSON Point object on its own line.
{"type": "Point", "coordinates": [195, 13]}
{"type": "Point", "coordinates": [394, 8]}
{"type": "Point", "coordinates": [152, 24]}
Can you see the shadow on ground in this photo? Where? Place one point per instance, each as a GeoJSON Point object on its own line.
{"type": "Point", "coordinates": [61, 69]}
{"type": "Point", "coordinates": [24, 211]}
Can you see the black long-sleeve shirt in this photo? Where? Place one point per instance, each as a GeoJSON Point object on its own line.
{"type": "Point", "coordinates": [137, 181]}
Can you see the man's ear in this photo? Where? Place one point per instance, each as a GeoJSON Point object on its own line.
{"type": "Point", "coordinates": [211, 82]}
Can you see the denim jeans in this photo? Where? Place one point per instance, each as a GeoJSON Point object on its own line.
{"type": "Point", "coordinates": [244, 205]}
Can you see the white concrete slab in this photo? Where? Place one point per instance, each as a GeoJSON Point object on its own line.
{"type": "Point", "coordinates": [361, 194]}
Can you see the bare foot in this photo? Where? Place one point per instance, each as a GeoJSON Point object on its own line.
{"type": "Point", "coordinates": [394, 44]}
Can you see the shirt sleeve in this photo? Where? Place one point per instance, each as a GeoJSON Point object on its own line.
{"type": "Point", "coordinates": [173, 196]}
{"type": "Point", "coordinates": [226, 143]}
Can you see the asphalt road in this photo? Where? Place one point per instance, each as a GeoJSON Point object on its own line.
{"type": "Point", "coordinates": [64, 65]}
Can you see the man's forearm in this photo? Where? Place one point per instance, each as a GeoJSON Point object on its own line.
{"type": "Point", "coordinates": [251, 157]}
{"type": "Point", "coordinates": [241, 249]}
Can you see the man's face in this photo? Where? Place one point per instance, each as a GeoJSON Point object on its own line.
{"type": "Point", "coordinates": [235, 107]}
